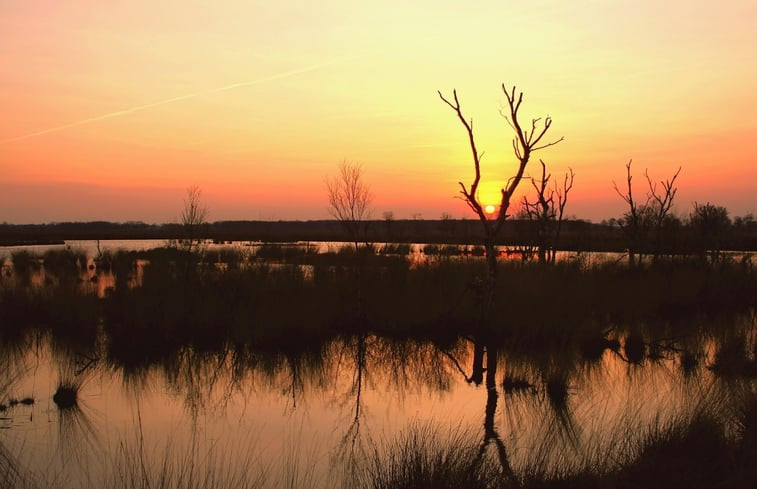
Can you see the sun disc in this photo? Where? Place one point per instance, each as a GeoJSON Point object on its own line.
{"type": "Point", "coordinates": [489, 209]}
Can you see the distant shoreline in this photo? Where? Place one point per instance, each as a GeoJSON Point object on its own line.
{"type": "Point", "coordinates": [576, 235]}
{"type": "Point", "coordinates": [34, 242]}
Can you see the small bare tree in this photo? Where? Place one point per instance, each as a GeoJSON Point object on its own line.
{"type": "Point", "coordinates": [562, 201]}
{"type": "Point", "coordinates": [632, 222]}
{"type": "Point", "coordinates": [651, 215]}
{"type": "Point", "coordinates": [710, 225]}
{"type": "Point", "coordinates": [525, 142]}
{"type": "Point", "coordinates": [547, 211]}
{"type": "Point", "coordinates": [350, 200]}
{"type": "Point", "coordinates": [193, 219]}
{"type": "Point", "coordinates": [661, 202]}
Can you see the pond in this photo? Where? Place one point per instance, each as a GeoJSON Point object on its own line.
{"type": "Point", "coordinates": [307, 419]}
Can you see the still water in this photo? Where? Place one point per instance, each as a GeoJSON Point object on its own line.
{"type": "Point", "coordinates": [312, 417]}
{"type": "Point", "coordinates": [415, 251]}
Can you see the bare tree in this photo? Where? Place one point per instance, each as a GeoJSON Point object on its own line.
{"type": "Point", "coordinates": [652, 214]}
{"type": "Point", "coordinates": [710, 224]}
{"type": "Point", "coordinates": [193, 219]}
{"type": "Point", "coordinates": [632, 222]}
{"type": "Point", "coordinates": [562, 201]}
{"type": "Point", "coordinates": [525, 142]}
{"type": "Point", "coordinates": [661, 203]}
{"type": "Point", "coordinates": [350, 200]}
{"type": "Point", "coordinates": [547, 211]}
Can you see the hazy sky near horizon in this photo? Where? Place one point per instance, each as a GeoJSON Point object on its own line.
{"type": "Point", "coordinates": [112, 109]}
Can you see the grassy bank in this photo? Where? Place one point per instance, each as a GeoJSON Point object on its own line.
{"type": "Point", "coordinates": [180, 299]}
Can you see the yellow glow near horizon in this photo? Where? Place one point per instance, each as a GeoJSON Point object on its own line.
{"type": "Point", "coordinates": [489, 209]}
{"type": "Point", "coordinates": [257, 102]}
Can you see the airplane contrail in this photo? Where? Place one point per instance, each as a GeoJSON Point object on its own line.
{"type": "Point", "coordinates": [137, 108]}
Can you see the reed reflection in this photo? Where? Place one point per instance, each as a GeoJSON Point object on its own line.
{"type": "Point", "coordinates": [545, 411]}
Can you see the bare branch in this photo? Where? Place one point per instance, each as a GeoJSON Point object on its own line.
{"type": "Point", "coordinates": [524, 144]}
{"type": "Point", "coordinates": [662, 202]}
{"type": "Point", "coordinates": [537, 148]}
{"type": "Point", "coordinates": [470, 195]}
{"type": "Point", "coordinates": [562, 194]}
{"type": "Point", "coordinates": [628, 198]}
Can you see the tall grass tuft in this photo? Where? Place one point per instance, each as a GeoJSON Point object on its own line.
{"type": "Point", "coordinates": [425, 457]}
{"type": "Point", "coordinates": [134, 466]}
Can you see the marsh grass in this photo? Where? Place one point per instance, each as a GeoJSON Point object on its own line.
{"type": "Point", "coordinates": [65, 264]}
{"type": "Point", "coordinates": [689, 451]}
{"type": "Point", "coordinates": [171, 464]}
{"type": "Point", "coordinates": [12, 473]}
{"type": "Point", "coordinates": [736, 356]}
{"type": "Point", "coordinates": [397, 293]}
{"type": "Point", "coordinates": [425, 456]}
{"type": "Point", "coordinates": [134, 466]}
{"type": "Point", "coordinates": [48, 293]}
{"type": "Point", "coordinates": [400, 249]}
{"type": "Point", "coordinates": [565, 307]}
{"type": "Point", "coordinates": [693, 449]}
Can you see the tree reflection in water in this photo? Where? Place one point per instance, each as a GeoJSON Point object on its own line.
{"type": "Point", "coordinates": [550, 411]}
{"type": "Point", "coordinates": [490, 431]}
{"type": "Point", "coordinates": [353, 355]}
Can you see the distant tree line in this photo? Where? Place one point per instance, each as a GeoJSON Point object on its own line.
{"type": "Point", "coordinates": [680, 236]}
{"type": "Point", "coordinates": [651, 228]}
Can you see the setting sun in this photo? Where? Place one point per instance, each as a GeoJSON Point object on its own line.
{"type": "Point", "coordinates": [489, 209]}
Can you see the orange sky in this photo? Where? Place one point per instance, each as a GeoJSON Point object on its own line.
{"type": "Point", "coordinates": [111, 111]}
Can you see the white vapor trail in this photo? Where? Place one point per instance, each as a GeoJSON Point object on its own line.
{"type": "Point", "coordinates": [137, 108]}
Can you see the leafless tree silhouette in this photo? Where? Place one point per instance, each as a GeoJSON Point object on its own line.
{"type": "Point", "coordinates": [547, 211]}
{"type": "Point", "coordinates": [525, 143]}
{"type": "Point", "coordinates": [350, 200]}
{"type": "Point", "coordinates": [651, 215]}
{"type": "Point", "coordinates": [193, 218]}
{"type": "Point", "coordinates": [662, 202]}
{"type": "Point", "coordinates": [709, 224]}
{"type": "Point", "coordinates": [632, 222]}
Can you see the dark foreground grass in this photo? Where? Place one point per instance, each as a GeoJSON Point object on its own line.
{"type": "Point", "coordinates": [427, 457]}
{"type": "Point", "coordinates": [700, 452]}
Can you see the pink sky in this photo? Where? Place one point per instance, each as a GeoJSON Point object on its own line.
{"type": "Point", "coordinates": [112, 110]}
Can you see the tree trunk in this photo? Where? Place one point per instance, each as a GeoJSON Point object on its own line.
{"type": "Point", "coordinates": [491, 282]}
{"type": "Point", "coordinates": [542, 254]}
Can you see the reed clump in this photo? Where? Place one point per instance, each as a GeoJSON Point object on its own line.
{"type": "Point", "coordinates": [424, 457]}
{"type": "Point", "coordinates": [66, 395]}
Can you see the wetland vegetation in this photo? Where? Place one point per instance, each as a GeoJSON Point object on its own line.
{"type": "Point", "coordinates": [583, 374]}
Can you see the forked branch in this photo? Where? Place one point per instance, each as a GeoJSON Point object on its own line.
{"type": "Point", "coordinates": [524, 143]}
{"type": "Point", "coordinates": [663, 199]}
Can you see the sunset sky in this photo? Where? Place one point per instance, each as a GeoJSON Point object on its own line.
{"type": "Point", "coordinates": [110, 110]}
